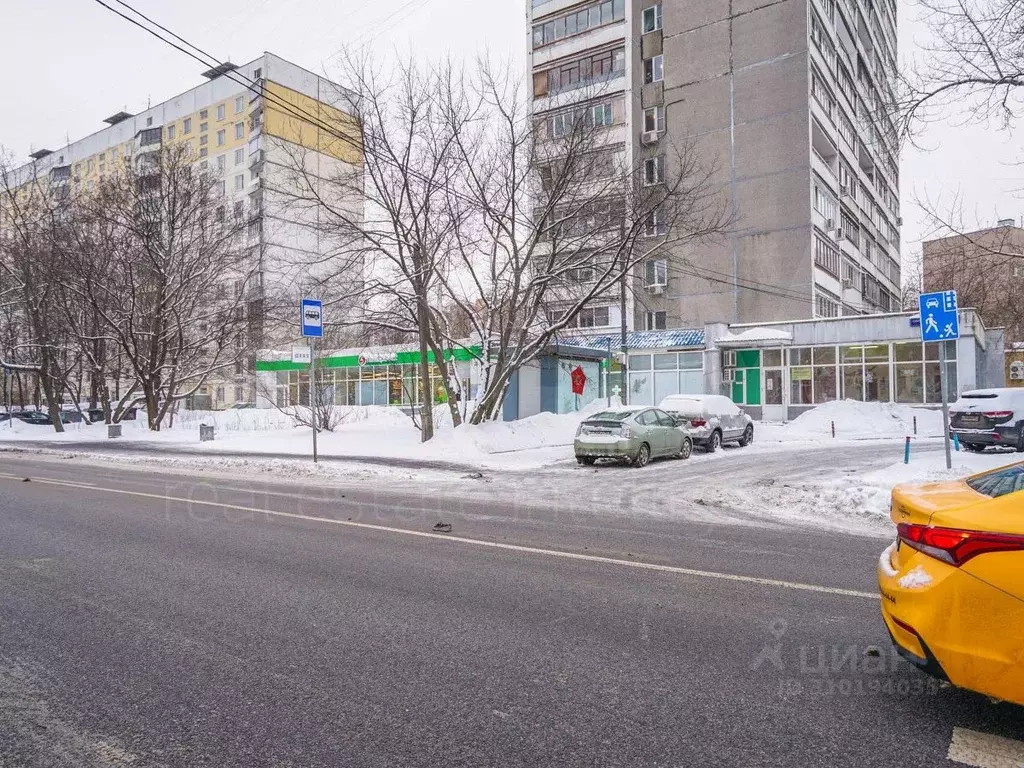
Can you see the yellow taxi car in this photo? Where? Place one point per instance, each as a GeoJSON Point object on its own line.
{"type": "Point", "coordinates": [952, 585]}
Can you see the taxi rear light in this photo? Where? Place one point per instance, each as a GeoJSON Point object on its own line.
{"type": "Point", "coordinates": [954, 545]}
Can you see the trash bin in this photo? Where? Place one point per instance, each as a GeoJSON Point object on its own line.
{"type": "Point", "coordinates": [113, 430]}
{"type": "Point", "coordinates": [205, 433]}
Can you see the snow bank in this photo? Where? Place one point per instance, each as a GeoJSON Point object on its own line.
{"type": "Point", "coordinates": [854, 419]}
{"type": "Point", "coordinates": [859, 502]}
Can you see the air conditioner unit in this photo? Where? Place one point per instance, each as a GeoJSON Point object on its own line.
{"type": "Point", "coordinates": [847, 282]}
{"type": "Point", "coordinates": [830, 224]}
{"type": "Point", "coordinates": [657, 289]}
{"type": "Point", "coordinates": [839, 233]}
{"type": "Point", "coordinates": [727, 376]}
{"type": "Point", "coordinates": [649, 137]}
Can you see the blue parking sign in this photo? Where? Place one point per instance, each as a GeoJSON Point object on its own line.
{"type": "Point", "coordinates": [940, 319]}
{"type": "Point", "coordinates": [312, 318]}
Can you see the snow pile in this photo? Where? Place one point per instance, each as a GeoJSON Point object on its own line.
{"type": "Point", "coordinates": [859, 502]}
{"type": "Point", "coordinates": [854, 419]}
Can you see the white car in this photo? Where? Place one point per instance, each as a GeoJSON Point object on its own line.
{"type": "Point", "coordinates": [989, 417]}
{"type": "Point", "coordinates": [711, 420]}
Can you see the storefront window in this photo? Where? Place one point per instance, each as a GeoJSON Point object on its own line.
{"type": "Point", "coordinates": [876, 382]}
{"type": "Point", "coordinates": [800, 384]}
{"type": "Point", "coordinates": [639, 362]}
{"type": "Point", "coordinates": [852, 354]}
{"type": "Point", "coordinates": [665, 362]}
{"type": "Point", "coordinates": [824, 355]}
{"type": "Point", "coordinates": [800, 356]}
{"type": "Point", "coordinates": [853, 382]}
{"type": "Point", "coordinates": [907, 352]}
{"type": "Point", "coordinates": [824, 384]}
{"type": "Point", "coordinates": [909, 380]}
{"type": "Point", "coordinates": [876, 353]}
{"type": "Point", "coordinates": [691, 360]}
{"type": "Point", "coordinates": [772, 357]}
{"type": "Point", "coordinates": [933, 391]}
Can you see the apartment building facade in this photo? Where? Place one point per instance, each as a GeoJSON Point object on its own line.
{"type": "Point", "coordinates": [251, 126]}
{"type": "Point", "coordinates": [784, 102]}
{"type": "Point", "coordinates": [986, 268]}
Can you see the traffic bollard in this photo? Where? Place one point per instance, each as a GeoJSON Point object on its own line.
{"type": "Point", "coordinates": [956, 441]}
{"type": "Point", "coordinates": [915, 425]}
{"type": "Point", "coordinates": [833, 429]}
{"type": "Point", "coordinates": [906, 451]}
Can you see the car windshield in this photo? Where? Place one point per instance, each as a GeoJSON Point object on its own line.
{"type": "Point", "coordinates": [1000, 482]}
{"type": "Point", "coordinates": [611, 416]}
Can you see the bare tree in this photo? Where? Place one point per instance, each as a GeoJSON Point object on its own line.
{"type": "Point", "coordinates": [551, 217]}
{"type": "Point", "coordinates": [163, 268]}
{"type": "Point", "coordinates": [33, 222]}
{"type": "Point", "coordinates": [973, 63]}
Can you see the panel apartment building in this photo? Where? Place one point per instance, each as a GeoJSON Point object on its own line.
{"type": "Point", "coordinates": [247, 125]}
{"type": "Point", "coordinates": [784, 99]}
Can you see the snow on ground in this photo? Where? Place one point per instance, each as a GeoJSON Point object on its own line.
{"type": "Point", "coordinates": [855, 420]}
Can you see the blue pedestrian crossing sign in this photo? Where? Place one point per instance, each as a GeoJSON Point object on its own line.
{"type": "Point", "coordinates": [940, 319]}
{"type": "Point", "coordinates": [312, 318]}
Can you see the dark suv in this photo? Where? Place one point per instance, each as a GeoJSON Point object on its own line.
{"type": "Point", "coordinates": [988, 417]}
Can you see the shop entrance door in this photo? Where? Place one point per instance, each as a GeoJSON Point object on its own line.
{"type": "Point", "coordinates": [774, 399]}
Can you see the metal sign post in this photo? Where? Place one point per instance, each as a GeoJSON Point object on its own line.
{"type": "Point", "coordinates": [313, 328]}
{"type": "Point", "coordinates": [940, 322]}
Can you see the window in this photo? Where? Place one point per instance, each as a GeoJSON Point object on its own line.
{"type": "Point", "coordinates": [204, 165]}
{"type": "Point", "coordinates": [654, 69]}
{"type": "Point", "coordinates": [579, 73]}
{"type": "Point", "coordinates": [150, 136]}
{"type": "Point", "coordinates": [254, 173]}
{"type": "Point", "coordinates": [655, 225]}
{"type": "Point", "coordinates": [222, 161]}
{"type": "Point", "coordinates": [652, 18]}
{"type": "Point", "coordinates": [204, 140]}
{"type": "Point", "coordinates": [186, 127]}
{"type": "Point", "coordinates": [257, 73]}
{"type": "Point", "coordinates": [654, 119]}
{"type": "Point", "coordinates": [824, 202]}
{"type": "Point", "coordinates": [826, 304]}
{"type": "Point", "coordinates": [239, 156]}
{"type": "Point", "coordinates": [602, 114]}
{"type": "Point", "coordinates": [220, 213]}
{"type": "Point", "coordinates": [239, 104]}
{"type": "Point", "coordinates": [239, 182]}
{"type": "Point", "coordinates": [656, 321]}
{"type": "Point", "coordinates": [592, 317]}
{"type": "Point", "coordinates": [655, 272]}
{"type": "Point", "coordinates": [239, 130]}
{"type": "Point", "coordinates": [202, 115]}
{"type": "Point", "coordinates": [220, 111]}
{"type": "Point", "coordinates": [113, 153]}
{"type": "Point", "coordinates": [149, 121]}
{"type": "Point", "coordinates": [239, 210]}
{"type": "Point", "coordinates": [203, 151]}
{"type": "Point", "coordinates": [221, 137]}
{"type": "Point", "coordinates": [170, 132]}
{"type": "Point", "coordinates": [221, 188]}
{"type": "Point", "coordinates": [822, 94]}
{"type": "Point", "coordinates": [203, 127]}
{"type": "Point", "coordinates": [826, 255]}
{"type": "Point", "coordinates": [654, 170]}
{"type": "Point", "coordinates": [578, 21]}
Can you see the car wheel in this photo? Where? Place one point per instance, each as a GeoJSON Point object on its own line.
{"type": "Point", "coordinates": [748, 436]}
{"type": "Point", "coordinates": [1020, 440]}
{"type": "Point", "coordinates": [714, 442]}
{"type": "Point", "coordinates": [643, 456]}
{"type": "Point", "coordinates": [588, 460]}
{"type": "Point", "coordinates": [687, 449]}
{"type": "Point", "coordinates": [973, 447]}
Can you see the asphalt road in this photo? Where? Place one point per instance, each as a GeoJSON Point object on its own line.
{"type": "Point", "coordinates": [166, 620]}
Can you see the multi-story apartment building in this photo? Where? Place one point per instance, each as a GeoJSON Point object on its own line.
{"type": "Point", "coordinates": [785, 101]}
{"type": "Point", "coordinates": [986, 268]}
{"type": "Point", "coordinates": [253, 126]}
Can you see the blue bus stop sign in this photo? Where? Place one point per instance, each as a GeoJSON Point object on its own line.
{"type": "Point", "coordinates": [940, 320]}
{"type": "Point", "coordinates": [312, 318]}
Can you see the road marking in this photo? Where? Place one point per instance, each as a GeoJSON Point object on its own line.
{"type": "Point", "coordinates": [48, 480]}
{"type": "Point", "coordinates": [484, 543]}
{"type": "Point", "coordinates": [983, 750]}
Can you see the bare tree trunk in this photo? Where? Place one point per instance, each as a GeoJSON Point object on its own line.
{"type": "Point", "coordinates": [427, 407]}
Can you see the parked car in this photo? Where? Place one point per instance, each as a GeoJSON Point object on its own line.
{"type": "Point", "coordinates": [951, 589]}
{"type": "Point", "coordinates": [635, 435]}
{"type": "Point", "coordinates": [71, 417]}
{"type": "Point", "coordinates": [711, 420]}
{"type": "Point", "coordinates": [37, 418]}
{"type": "Point", "coordinates": [242, 406]}
{"type": "Point", "coordinates": [985, 417]}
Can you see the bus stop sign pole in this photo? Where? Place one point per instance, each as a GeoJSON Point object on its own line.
{"type": "Point", "coordinates": [313, 329]}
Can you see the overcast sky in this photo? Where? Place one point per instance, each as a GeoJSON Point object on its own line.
{"type": "Point", "coordinates": [67, 64]}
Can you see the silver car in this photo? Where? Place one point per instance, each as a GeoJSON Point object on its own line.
{"type": "Point", "coordinates": [711, 420]}
{"type": "Point", "coordinates": [635, 435]}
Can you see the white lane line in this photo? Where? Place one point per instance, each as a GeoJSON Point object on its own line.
{"type": "Point", "coordinates": [983, 750]}
{"type": "Point", "coordinates": [491, 544]}
{"type": "Point", "coordinates": [48, 480]}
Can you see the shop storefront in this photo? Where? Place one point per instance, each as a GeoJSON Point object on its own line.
{"type": "Point", "coordinates": [878, 358]}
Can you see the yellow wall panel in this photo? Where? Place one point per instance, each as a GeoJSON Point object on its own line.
{"type": "Point", "coordinates": [302, 131]}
